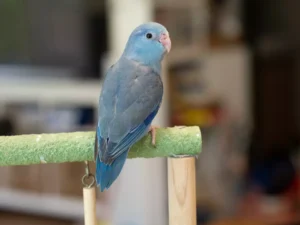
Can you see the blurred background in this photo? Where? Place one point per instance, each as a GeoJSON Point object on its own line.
{"type": "Point", "coordinates": [233, 71]}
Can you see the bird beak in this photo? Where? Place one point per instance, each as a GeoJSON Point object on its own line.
{"type": "Point", "coordinates": [166, 41]}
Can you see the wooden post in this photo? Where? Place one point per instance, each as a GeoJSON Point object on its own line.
{"type": "Point", "coordinates": [89, 201]}
{"type": "Point", "coordinates": [182, 191]}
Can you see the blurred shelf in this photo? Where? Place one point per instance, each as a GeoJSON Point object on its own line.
{"type": "Point", "coordinates": [47, 205]}
{"type": "Point", "coordinates": [177, 4]}
{"type": "Point", "coordinates": [183, 54]}
{"type": "Point", "coordinates": [217, 42]}
{"type": "Point", "coordinates": [50, 91]}
{"type": "Point", "coordinates": [174, 4]}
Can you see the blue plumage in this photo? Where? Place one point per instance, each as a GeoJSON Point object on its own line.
{"type": "Point", "coordinates": [130, 99]}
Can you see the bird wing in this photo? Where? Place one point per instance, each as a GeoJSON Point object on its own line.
{"type": "Point", "coordinates": [129, 101]}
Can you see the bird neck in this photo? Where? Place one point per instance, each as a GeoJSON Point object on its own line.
{"type": "Point", "coordinates": [155, 65]}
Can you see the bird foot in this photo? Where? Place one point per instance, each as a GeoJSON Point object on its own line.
{"type": "Point", "coordinates": [152, 130]}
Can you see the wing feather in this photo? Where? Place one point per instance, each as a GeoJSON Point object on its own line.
{"type": "Point", "coordinates": [129, 101]}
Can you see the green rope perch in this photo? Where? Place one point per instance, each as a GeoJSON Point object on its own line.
{"type": "Point", "coordinates": [79, 146]}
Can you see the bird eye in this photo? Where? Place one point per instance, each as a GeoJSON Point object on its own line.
{"type": "Point", "coordinates": [148, 35]}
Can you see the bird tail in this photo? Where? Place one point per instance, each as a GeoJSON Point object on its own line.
{"type": "Point", "coordinates": [107, 174]}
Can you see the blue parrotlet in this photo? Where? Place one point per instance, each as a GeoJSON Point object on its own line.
{"type": "Point", "coordinates": [130, 99]}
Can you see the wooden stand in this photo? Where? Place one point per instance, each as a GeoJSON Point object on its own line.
{"type": "Point", "coordinates": [182, 191]}
{"type": "Point", "coordinates": [89, 201]}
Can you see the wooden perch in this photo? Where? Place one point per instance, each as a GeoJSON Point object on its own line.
{"type": "Point", "coordinates": [79, 146]}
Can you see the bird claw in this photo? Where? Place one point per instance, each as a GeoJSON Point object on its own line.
{"type": "Point", "coordinates": [152, 130]}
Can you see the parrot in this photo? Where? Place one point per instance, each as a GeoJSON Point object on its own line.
{"type": "Point", "coordinates": [129, 100]}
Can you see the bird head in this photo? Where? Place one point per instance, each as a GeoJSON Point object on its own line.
{"type": "Point", "coordinates": [148, 43]}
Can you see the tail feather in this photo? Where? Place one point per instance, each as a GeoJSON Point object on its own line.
{"type": "Point", "coordinates": [107, 174]}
